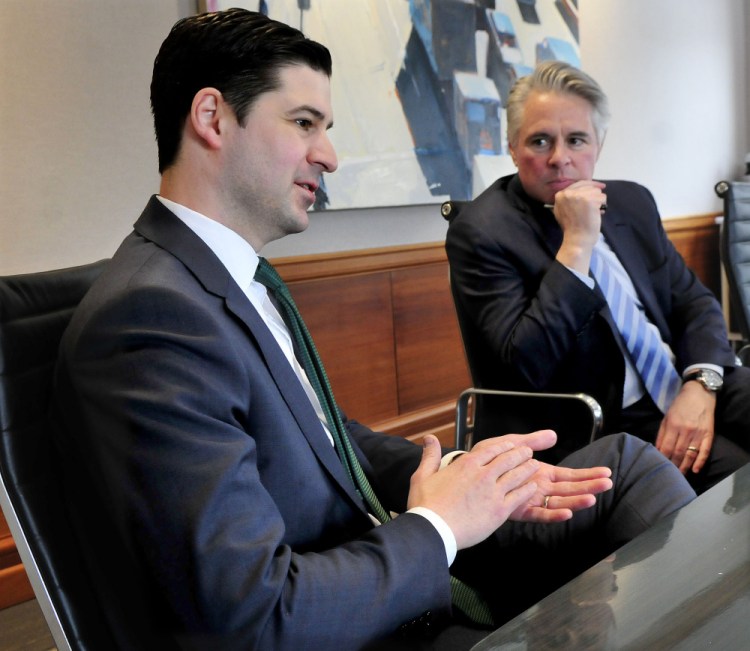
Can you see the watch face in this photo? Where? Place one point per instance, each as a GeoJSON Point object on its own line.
{"type": "Point", "coordinates": [711, 380]}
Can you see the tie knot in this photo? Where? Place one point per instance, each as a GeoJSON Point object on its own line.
{"type": "Point", "coordinates": [266, 275]}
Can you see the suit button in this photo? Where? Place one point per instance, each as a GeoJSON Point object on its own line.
{"type": "Point", "coordinates": [422, 627]}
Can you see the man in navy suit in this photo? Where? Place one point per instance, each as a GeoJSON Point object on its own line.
{"type": "Point", "coordinates": [201, 473]}
{"type": "Point", "coordinates": [532, 316]}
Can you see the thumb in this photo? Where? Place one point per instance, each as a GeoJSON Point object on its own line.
{"type": "Point", "coordinates": [431, 455]}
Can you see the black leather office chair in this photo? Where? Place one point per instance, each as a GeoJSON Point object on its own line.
{"type": "Point", "coordinates": [735, 255]}
{"type": "Point", "coordinates": [34, 311]}
{"type": "Point", "coordinates": [481, 413]}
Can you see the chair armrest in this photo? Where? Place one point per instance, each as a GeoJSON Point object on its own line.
{"type": "Point", "coordinates": [743, 354]}
{"type": "Point", "coordinates": [481, 413]}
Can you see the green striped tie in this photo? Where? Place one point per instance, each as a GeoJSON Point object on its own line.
{"type": "Point", "coordinates": [464, 597]}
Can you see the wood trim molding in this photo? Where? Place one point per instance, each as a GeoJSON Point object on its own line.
{"type": "Point", "coordinates": [692, 223]}
{"type": "Point", "coordinates": [359, 261]}
{"type": "Point", "coordinates": [437, 419]}
{"type": "Point", "coordinates": [347, 263]}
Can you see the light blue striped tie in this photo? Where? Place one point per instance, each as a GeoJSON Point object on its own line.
{"type": "Point", "coordinates": [645, 347]}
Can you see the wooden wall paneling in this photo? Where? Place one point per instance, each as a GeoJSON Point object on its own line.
{"type": "Point", "coordinates": [14, 584]}
{"type": "Point", "coordinates": [350, 319]}
{"type": "Point", "coordinates": [697, 240]}
{"type": "Point", "coordinates": [429, 351]}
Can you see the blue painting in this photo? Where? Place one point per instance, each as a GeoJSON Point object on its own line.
{"type": "Point", "coordinates": [419, 88]}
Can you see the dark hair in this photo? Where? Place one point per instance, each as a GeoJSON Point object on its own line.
{"type": "Point", "coordinates": [238, 52]}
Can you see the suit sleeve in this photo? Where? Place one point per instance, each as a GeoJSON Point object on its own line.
{"type": "Point", "coordinates": [689, 317]}
{"type": "Point", "coordinates": [168, 423]}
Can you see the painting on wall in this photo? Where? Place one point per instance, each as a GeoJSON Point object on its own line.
{"type": "Point", "coordinates": [419, 88]}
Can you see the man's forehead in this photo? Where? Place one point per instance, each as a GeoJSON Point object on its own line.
{"type": "Point", "coordinates": [300, 85]}
{"type": "Point", "coordinates": [557, 111]}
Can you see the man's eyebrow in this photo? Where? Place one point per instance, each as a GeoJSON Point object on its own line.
{"type": "Point", "coordinates": [317, 114]}
{"type": "Point", "coordinates": [539, 134]}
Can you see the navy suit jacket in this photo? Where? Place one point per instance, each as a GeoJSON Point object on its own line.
{"type": "Point", "coordinates": [200, 480]}
{"type": "Point", "coordinates": [530, 324]}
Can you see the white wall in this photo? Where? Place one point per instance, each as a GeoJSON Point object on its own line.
{"type": "Point", "coordinates": [77, 151]}
{"type": "Point", "coordinates": [78, 159]}
{"type": "Point", "coordinates": [676, 75]}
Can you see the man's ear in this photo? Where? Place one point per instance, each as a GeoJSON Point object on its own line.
{"type": "Point", "coordinates": [205, 116]}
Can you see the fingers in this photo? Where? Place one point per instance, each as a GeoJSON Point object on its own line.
{"type": "Point", "coordinates": [540, 440]}
{"type": "Point", "coordinates": [485, 451]}
{"type": "Point", "coordinates": [695, 457]}
{"type": "Point", "coordinates": [507, 464]}
{"type": "Point", "coordinates": [554, 508]}
{"type": "Point", "coordinates": [702, 458]}
{"type": "Point", "coordinates": [687, 448]}
{"type": "Point", "coordinates": [576, 488]}
{"type": "Point", "coordinates": [565, 474]}
{"type": "Point", "coordinates": [667, 444]}
{"type": "Point", "coordinates": [559, 509]}
{"type": "Point", "coordinates": [588, 194]}
{"type": "Point", "coordinates": [569, 490]}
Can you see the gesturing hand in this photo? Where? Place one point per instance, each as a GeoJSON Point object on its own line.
{"type": "Point", "coordinates": [560, 491]}
{"type": "Point", "coordinates": [498, 479]}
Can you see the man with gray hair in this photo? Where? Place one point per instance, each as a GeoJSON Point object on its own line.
{"type": "Point", "coordinates": [567, 283]}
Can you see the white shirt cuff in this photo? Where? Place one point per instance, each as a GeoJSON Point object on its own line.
{"type": "Point", "coordinates": [448, 458]}
{"type": "Point", "coordinates": [711, 367]}
{"type": "Point", "coordinates": [584, 278]}
{"type": "Point", "coordinates": [449, 540]}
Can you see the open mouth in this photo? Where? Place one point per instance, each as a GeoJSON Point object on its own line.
{"type": "Point", "coordinates": [310, 187]}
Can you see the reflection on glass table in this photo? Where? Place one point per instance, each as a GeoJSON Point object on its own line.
{"type": "Point", "coordinates": [684, 584]}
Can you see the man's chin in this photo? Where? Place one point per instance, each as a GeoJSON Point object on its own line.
{"type": "Point", "coordinates": [299, 223]}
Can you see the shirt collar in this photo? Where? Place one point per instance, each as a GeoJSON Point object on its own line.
{"type": "Point", "coordinates": [233, 251]}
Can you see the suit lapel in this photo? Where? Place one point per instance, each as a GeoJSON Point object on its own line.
{"type": "Point", "coordinates": [160, 225]}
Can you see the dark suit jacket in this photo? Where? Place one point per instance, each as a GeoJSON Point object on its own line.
{"type": "Point", "coordinates": [529, 324]}
{"type": "Point", "coordinates": [201, 481]}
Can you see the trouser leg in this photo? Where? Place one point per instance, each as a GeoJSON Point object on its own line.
{"type": "Point", "coordinates": [523, 562]}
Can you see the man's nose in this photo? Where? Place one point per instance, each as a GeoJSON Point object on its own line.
{"type": "Point", "coordinates": [559, 155]}
{"type": "Point", "coordinates": [324, 154]}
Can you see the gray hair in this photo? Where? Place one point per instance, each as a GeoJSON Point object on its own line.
{"type": "Point", "coordinates": [557, 77]}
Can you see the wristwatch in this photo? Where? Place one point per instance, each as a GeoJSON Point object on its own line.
{"type": "Point", "coordinates": [711, 380]}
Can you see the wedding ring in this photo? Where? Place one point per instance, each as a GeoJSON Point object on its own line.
{"type": "Point", "coordinates": [692, 448]}
{"type": "Point", "coordinates": [546, 501]}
